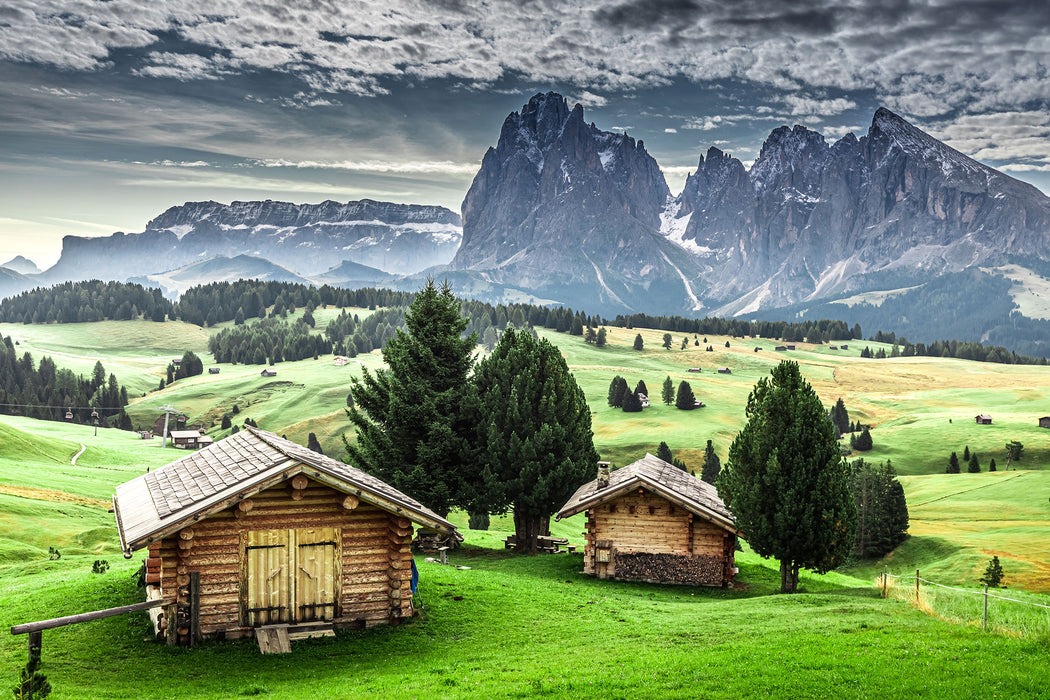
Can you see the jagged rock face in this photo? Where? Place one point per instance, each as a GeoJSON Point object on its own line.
{"type": "Point", "coordinates": [571, 212]}
{"type": "Point", "coordinates": [308, 238]}
{"type": "Point", "coordinates": [720, 201]}
{"type": "Point", "coordinates": [825, 216]}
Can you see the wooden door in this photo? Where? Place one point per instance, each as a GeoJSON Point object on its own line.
{"type": "Point", "coordinates": [316, 573]}
{"type": "Point", "coordinates": [268, 577]}
{"type": "Point", "coordinates": [292, 575]}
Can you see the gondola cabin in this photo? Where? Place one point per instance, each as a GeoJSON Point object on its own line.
{"type": "Point", "coordinates": [651, 521]}
{"type": "Point", "coordinates": [254, 530]}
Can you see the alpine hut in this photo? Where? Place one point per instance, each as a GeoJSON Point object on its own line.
{"type": "Point", "coordinates": [651, 521]}
{"type": "Point", "coordinates": [254, 530]}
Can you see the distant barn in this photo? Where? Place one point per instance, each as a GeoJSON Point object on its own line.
{"type": "Point", "coordinates": [262, 532]}
{"type": "Point", "coordinates": [652, 521]}
{"type": "Point", "coordinates": [983, 419]}
{"type": "Point", "coordinates": [268, 373]}
{"type": "Point", "coordinates": [1044, 422]}
{"type": "Point", "coordinates": [186, 439]}
{"type": "Point", "coordinates": [724, 370]}
{"type": "Point", "coordinates": [213, 370]}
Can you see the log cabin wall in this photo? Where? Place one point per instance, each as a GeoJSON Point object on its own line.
{"type": "Point", "coordinates": [645, 523]}
{"type": "Point", "coordinates": [374, 557]}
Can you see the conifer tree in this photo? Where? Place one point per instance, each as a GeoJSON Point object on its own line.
{"type": "Point", "coordinates": [668, 391]}
{"type": "Point", "coordinates": [640, 387]}
{"type": "Point", "coordinates": [785, 467]}
{"type": "Point", "coordinates": [712, 465]}
{"type": "Point", "coordinates": [993, 574]}
{"type": "Point", "coordinates": [966, 454]}
{"type": "Point", "coordinates": [631, 403]}
{"type": "Point", "coordinates": [953, 464]}
{"type": "Point", "coordinates": [991, 464]}
{"type": "Point", "coordinates": [617, 390]}
{"type": "Point", "coordinates": [313, 443]}
{"type": "Point", "coordinates": [664, 453]}
{"type": "Point", "coordinates": [638, 342]}
{"type": "Point", "coordinates": [685, 400]}
{"type": "Point", "coordinates": [601, 340]}
{"type": "Point", "coordinates": [412, 431]}
{"type": "Point", "coordinates": [975, 466]}
{"type": "Point", "coordinates": [667, 341]}
{"type": "Point", "coordinates": [533, 434]}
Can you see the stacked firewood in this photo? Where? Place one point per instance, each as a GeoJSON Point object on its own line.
{"type": "Point", "coordinates": [670, 568]}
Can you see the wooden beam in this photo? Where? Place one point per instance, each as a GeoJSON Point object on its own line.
{"type": "Point", "coordinates": [86, 617]}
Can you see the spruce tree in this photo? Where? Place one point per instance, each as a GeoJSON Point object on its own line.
{"type": "Point", "coordinates": [641, 388]}
{"type": "Point", "coordinates": [617, 390]}
{"type": "Point", "coordinates": [863, 443]}
{"type": "Point", "coordinates": [975, 466]}
{"type": "Point", "coordinates": [685, 400]}
{"type": "Point", "coordinates": [667, 392]}
{"type": "Point", "coordinates": [966, 454]}
{"type": "Point", "coordinates": [667, 341]}
{"type": "Point", "coordinates": [993, 574]}
{"type": "Point", "coordinates": [638, 342]}
{"type": "Point", "coordinates": [712, 465]}
{"type": "Point", "coordinates": [533, 434]}
{"type": "Point", "coordinates": [991, 464]}
{"type": "Point", "coordinates": [785, 481]}
{"type": "Point", "coordinates": [631, 403]}
{"type": "Point", "coordinates": [313, 443]}
{"type": "Point", "coordinates": [601, 340]}
{"type": "Point", "coordinates": [953, 464]}
{"type": "Point", "coordinates": [412, 429]}
{"type": "Point", "coordinates": [664, 453]}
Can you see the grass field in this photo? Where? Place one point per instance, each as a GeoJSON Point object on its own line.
{"type": "Point", "coordinates": [921, 409]}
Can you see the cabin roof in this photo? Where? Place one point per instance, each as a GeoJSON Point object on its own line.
{"type": "Point", "coordinates": [184, 433]}
{"type": "Point", "coordinates": [164, 500]}
{"type": "Point", "coordinates": [676, 485]}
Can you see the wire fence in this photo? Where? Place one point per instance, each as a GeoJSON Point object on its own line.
{"type": "Point", "coordinates": [1018, 614]}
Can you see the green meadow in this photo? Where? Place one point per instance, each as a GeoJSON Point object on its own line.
{"type": "Point", "coordinates": [514, 626]}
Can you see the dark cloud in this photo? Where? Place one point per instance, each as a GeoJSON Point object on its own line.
{"type": "Point", "coordinates": [646, 14]}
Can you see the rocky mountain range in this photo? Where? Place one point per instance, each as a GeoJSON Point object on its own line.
{"type": "Point", "coordinates": [307, 238]}
{"type": "Point", "coordinates": [562, 212]}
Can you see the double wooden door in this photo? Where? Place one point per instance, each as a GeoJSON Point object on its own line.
{"type": "Point", "coordinates": [292, 575]}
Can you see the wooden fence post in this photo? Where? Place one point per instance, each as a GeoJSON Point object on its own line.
{"type": "Point", "coordinates": [916, 586]}
{"type": "Point", "coordinates": [986, 607]}
{"type": "Point", "coordinates": [195, 607]}
{"type": "Point", "coordinates": [885, 576]}
{"type": "Point", "coordinates": [36, 643]}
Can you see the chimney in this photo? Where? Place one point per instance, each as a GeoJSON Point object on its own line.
{"type": "Point", "coordinates": [603, 474]}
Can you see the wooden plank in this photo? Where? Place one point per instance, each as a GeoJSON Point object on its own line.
{"type": "Point", "coordinates": [273, 639]}
{"type": "Point", "coordinates": [86, 617]}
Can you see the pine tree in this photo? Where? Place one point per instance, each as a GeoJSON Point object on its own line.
{"type": "Point", "coordinates": [966, 454]}
{"type": "Point", "coordinates": [590, 336]}
{"type": "Point", "coordinates": [863, 443]}
{"type": "Point", "coordinates": [313, 443]}
{"type": "Point", "coordinates": [991, 464]}
{"type": "Point", "coordinates": [685, 400]}
{"type": "Point", "coordinates": [412, 430]}
{"type": "Point", "coordinates": [533, 434]}
{"type": "Point", "coordinates": [882, 513]}
{"type": "Point", "coordinates": [785, 467]}
{"type": "Point", "coordinates": [975, 466]}
{"type": "Point", "coordinates": [664, 452]}
{"type": "Point", "coordinates": [668, 391]}
{"type": "Point", "coordinates": [712, 465]}
{"type": "Point", "coordinates": [226, 422]}
{"type": "Point", "coordinates": [638, 342]}
{"type": "Point", "coordinates": [617, 390]}
{"type": "Point", "coordinates": [667, 341]}
{"type": "Point", "coordinates": [993, 575]}
{"type": "Point", "coordinates": [32, 683]}
{"type": "Point", "coordinates": [953, 464]}
{"type": "Point", "coordinates": [640, 388]}
{"type": "Point", "coordinates": [631, 403]}
{"type": "Point", "coordinates": [601, 340]}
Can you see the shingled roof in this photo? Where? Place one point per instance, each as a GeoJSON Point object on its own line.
{"type": "Point", "coordinates": [164, 500]}
{"type": "Point", "coordinates": [652, 473]}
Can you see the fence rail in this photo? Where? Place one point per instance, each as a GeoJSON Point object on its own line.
{"type": "Point", "coordinates": [957, 609]}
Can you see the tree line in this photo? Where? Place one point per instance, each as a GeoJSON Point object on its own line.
{"type": "Point", "coordinates": [80, 302]}
{"type": "Point", "coordinates": [49, 392]}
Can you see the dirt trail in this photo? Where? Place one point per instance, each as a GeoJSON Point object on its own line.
{"type": "Point", "coordinates": [74, 460]}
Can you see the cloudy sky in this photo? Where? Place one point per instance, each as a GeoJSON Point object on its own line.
{"type": "Point", "coordinates": [114, 110]}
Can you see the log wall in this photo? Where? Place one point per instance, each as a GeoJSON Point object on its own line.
{"type": "Point", "coordinates": [644, 523]}
{"type": "Point", "coordinates": [374, 570]}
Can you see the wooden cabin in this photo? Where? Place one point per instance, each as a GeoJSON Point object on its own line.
{"type": "Point", "coordinates": [1044, 422]}
{"type": "Point", "coordinates": [651, 521]}
{"type": "Point", "coordinates": [255, 530]}
{"type": "Point", "coordinates": [268, 373]}
{"type": "Point", "coordinates": [186, 439]}
{"type": "Point", "coordinates": [214, 370]}
{"type": "Point", "coordinates": [724, 370]}
{"type": "Point", "coordinates": [983, 419]}
{"type": "Point", "coordinates": [340, 360]}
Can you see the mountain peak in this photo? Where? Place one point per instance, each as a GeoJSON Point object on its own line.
{"type": "Point", "coordinates": [22, 265]}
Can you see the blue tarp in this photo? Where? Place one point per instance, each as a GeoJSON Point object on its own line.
{"type": "Point", "coordinates": [415, 577]}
